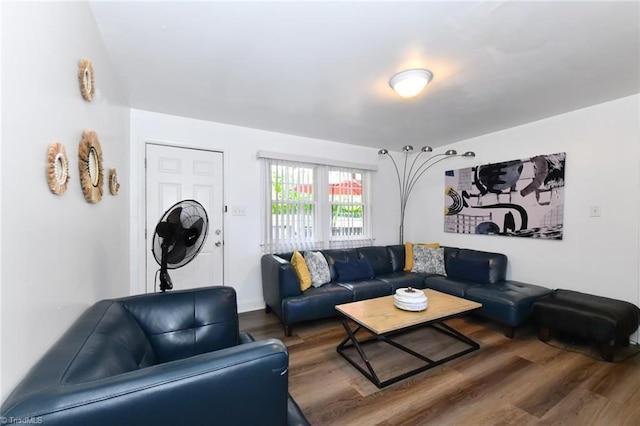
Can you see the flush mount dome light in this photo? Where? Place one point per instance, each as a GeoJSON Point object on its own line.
{"type": "Point", "coordinates": [410, 83]}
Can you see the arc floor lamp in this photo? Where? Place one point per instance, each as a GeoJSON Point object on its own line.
{"type": "Point", "coordinates": [408, 178]}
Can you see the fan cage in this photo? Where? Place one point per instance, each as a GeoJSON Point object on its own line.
{"type": "Point", "coordinates": [191, 212]}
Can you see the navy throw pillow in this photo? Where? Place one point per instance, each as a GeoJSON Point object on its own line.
{"type": "Point", "coordinates": [352, 270]}
{"type": "Point", "coordinates": [477, 270]}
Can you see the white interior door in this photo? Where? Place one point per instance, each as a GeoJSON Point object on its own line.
{"type": "Point", "coordinates": [174, 174]}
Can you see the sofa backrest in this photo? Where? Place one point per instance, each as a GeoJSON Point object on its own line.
{"type": "Point", "coordinates": [116, 345]}
{"type": "Point", "coordinates": [181, 324]}
{"type": "Point", "coordinates": [475, 265]}
{"type": "Point", "coordinates": [104, 341]}
{"type": "Point", "coordinates": [397, 257]}
{"type": "Point", "coordinates": [339, 254]}
{"type": "Point", "coordinates": [378, 257]}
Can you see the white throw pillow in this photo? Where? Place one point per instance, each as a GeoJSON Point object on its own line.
{"type": "Point", "coordinates": [318, 268]}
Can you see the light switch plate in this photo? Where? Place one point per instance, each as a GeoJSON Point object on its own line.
{"type": "Point", "coordinates": [239, 211]}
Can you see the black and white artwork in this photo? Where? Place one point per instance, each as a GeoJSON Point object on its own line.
{"type": "Point", "coordinates": [520, 198]}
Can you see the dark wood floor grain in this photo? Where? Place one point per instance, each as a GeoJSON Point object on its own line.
{"type": "Point", "coordinates": [519, 381]}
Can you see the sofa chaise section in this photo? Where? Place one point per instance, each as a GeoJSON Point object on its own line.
{"type": "Point", "coordinates": [481, 276]}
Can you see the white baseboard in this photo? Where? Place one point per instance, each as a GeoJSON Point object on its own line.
{"type": "Point", "coordinates": [250, 305]}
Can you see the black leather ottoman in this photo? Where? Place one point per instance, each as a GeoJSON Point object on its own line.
{"type": "Point", "coordinates": [603, 321]}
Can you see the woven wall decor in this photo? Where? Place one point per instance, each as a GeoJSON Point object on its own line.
{"type": "Point", "coordinates": [85, 78]}
{"type": "Point", "coordinates": [90, 167]}
{"type": "Point", "coordinates": [114, 185]}
{"type": "Point", "coordinates": [57, 168]}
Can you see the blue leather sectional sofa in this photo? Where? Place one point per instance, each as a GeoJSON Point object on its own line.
{"type": "Point", "coordinates": [174, 358]}
{"type": "Point", "coordinates": [472, 274]}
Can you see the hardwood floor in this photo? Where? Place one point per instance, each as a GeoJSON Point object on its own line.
{"type": "Point", "coordinates": [519, 381]}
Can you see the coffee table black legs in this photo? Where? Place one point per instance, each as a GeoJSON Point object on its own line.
{"type": "Point", "coordinates": [351, 341]}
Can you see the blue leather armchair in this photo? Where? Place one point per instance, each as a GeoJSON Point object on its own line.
{"type": "Point", "coordinates": [156, 359]}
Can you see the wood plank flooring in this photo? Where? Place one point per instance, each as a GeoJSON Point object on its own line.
{"type": "Point", "coordinates": [519, 381]}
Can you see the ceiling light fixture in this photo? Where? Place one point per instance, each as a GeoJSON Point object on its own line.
{"type": "Point", "coordinates": [410, 83]}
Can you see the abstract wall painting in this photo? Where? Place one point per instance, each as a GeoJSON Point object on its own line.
{"type": "Point", "coordinates": [520, 198]}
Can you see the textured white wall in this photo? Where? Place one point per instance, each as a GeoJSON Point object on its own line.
{"type": "Point", "coordinates": [243, 188]}
{"type": "Point", "coordinates": [59, 253]}
{"type": "Point", "coordinates": [597, 255]}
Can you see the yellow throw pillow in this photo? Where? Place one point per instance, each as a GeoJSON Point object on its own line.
{"type": "Point", "coordinates": [300, 266]}
{"type": "Point", "coordinates": [408, 253]}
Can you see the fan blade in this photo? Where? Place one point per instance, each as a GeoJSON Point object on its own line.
{"type": "Point", "coordinates": [192, 234]}
{"type": "Point", "coordinates": [174, 216]}
{"type": "Point", "coordinates": [177, 253]}
{"type": "Point", "coordinates": [166, 230]}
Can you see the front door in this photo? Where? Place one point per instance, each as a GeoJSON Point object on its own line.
{"type": "Point", "coordinates": [175, 174]}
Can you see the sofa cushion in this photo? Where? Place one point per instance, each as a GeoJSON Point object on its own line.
{"type": "Point", "coordinates": [189, 323]}
{"type": "Point", "coordinates": [508, 302]}
{"type": "Point", "coordinates": [449, 285]}
{"type": "Point", "coordinates": [300, 266]}
{"type": "Point", "coordinates": [378, 257]}
{"type": "Point", "coordinates": [116, 345]}
{"type": "Point", "coordinates": [429, 260]}
{"type": "Point", "coordinates": [339, 254]}
{"type": "Point", "coordinates": [497, 262]}
{"type": "Point", "coordinates": [404, 279]}
{"type": "Point", "coordinates": [316, 302]}
{"type": "Point", "coordinates": [367, 289]}
{"type": "Point", "coordinates": [408, 250]}
{"type": "Point", "coordinates": [353, 270]}
{"type": "Point", "coordinates": [469, 269]}
{"type": "Point", "coordinates": [318, 268]}
{"type": "Point", "coordinates": [397, 256]}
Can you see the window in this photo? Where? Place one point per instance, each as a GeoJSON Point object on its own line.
{"type": "Point", "coordinates": [347, 205]}
{"type": "Point", "coordinates": [314, 206]}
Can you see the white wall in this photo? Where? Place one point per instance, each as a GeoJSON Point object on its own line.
{"type": "Point", "coordinates": [243, 188]}
{"type": "Point", "coordinates": [597, 255]}
{"type": "Point", "coordinates": [59, 253]}
{"type": "Point", "coordinates": [1, 392]}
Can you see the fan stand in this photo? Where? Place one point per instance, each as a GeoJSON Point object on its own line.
{"type": "Point", "coordinates": [165, 279]}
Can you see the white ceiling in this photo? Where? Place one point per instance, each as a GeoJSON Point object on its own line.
{"type": "Point", "coordinates": [321, 69]}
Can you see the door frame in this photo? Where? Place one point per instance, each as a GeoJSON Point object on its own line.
{"type": "Point", "coordinates": [137, 200]}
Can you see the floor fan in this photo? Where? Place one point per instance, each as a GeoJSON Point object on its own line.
{"type": "Point", "coordinates": [179, 237]}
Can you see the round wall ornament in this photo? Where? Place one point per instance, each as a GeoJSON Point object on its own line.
{"type": "Point", "coordinates": [85, 78]}
{"type": "Point", "coordinates": [114, 186]}
{"type": "Point", "coordinates": [57, 168]}
{"type": "Point", "coordinates": [90, 166]}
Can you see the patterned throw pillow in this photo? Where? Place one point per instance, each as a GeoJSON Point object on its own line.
{"type": "Point", "coordinates": [408, 250]}
{"type": "Point", "coordinates": [318, 268]}
{"type": "Point", "coordinates": [430, 260]}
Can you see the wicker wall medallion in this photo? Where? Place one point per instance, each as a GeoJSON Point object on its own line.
{"type": "Point", "coordinates": [85, 78]}
{"type": "Point", "coordinates": [90, 166]}
{"type": "Point", "coordinates": [57, 168]}
{"type": "Point", "coordinates": [114, 186]}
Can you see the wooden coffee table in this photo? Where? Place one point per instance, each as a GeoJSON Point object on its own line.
{"type": "Point", "coordinates": [383, 321]}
